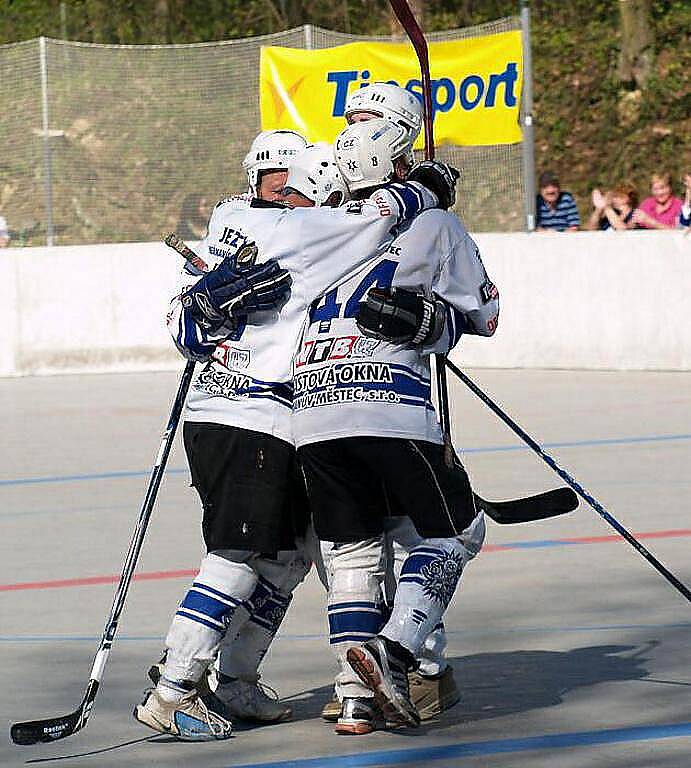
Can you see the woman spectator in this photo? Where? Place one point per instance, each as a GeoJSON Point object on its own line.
{"type": "Point", "coordinates": [685, 215]}
{"type": "Point", "coordinates": [662, 209]}
{"type": "Point", "coordinates": [615, 209]}
{"type": "Point", "coordinates": [194, 217]}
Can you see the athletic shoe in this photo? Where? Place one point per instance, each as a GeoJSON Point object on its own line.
{"type": "Point", "coordinates": [358, 717]}
{"type": "Point", "coordinates": [383, 665]}
{"type": "Point", "coordinates": [189, 719]}
{"type": "Point", "coordinates": [432, 695]}
{"type": "Point", "coordinates": [332, 710]}
{"type": "Point", "coordinates": [201, 687]}
{"type": "Point", "coordinates": [250, 701]}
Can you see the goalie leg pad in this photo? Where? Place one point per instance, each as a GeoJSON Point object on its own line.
{"type": "Point", "coordinates": [203, 616]}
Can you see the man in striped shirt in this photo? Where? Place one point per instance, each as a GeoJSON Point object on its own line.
{"type": "Point", "coordinates": [556, 210]}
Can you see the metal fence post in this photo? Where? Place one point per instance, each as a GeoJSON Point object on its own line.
{"type": "Point", "coordinates": [47, 163]}
{"type": "Point", "coordinates": [528, 129]}
{"type": "Point", "coordinates": [308, 37]}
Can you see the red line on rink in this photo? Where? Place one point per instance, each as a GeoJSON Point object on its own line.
{"type": "Point", "coordinates": [673, 534]}
{"type": "Point", "coordinates": [91, 580]}
{"type": "Point", "coordinates": [160, 575]}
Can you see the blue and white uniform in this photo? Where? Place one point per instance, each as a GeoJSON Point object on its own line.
{"type": "Point", "coordinates": [247, 379]}
{"type": "Point", "coordinates": [352, 386]}
{"type": "Point", "coordinates": [349, 385]}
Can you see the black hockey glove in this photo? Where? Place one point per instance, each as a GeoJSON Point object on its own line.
{"type": "Point", "coordinates": [401, 316]}
{"type": "Point", "coordinates": [230, 290]}
{"type": "Point", "coordinates": [440, 178]}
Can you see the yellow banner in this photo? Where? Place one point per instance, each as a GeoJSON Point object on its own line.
{"type": "Point", "coordinates": [476, 86]}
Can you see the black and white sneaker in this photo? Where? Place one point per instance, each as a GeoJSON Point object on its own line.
{"type": "Point", "coordinates": [358, 717]}
{"type": "Point", "coordinates": [383, 665]}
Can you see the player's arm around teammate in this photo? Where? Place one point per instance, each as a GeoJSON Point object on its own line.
{"type": "Point", "coordinates": [369, 441]}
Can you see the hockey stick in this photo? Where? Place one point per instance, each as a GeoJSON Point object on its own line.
{"type": "Point", "coordinates": [54, 728]}
{"type": "Point", "coordinates": [417, 38]}
{"type": "Point", "coordinates": [594, 503]}
{"type": "Point", "coordinates": [530, 508]}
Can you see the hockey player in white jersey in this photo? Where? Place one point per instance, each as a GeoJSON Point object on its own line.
{"type": "Point", "coordinates": [369, 441]}
{"type": "Point", "coordinates": [266, 165]}
{"type": "Point", "coordinates": [432, 684]}
{"type": "Point", "coordinates": [237, 430]}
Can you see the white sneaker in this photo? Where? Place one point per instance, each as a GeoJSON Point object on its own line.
{"type": "Point", "coordinates": [189, 719]}
{"type": "Point", "coordinates": [249, 701]}
{"type": "Point", "coordinates": [202, 687]}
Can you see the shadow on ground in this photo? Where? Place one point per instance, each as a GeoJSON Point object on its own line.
{"type": "Point", "coordinates": [497, 684]}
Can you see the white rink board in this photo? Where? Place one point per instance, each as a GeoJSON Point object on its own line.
{"type": "Point", "coordinates": [582, 300]}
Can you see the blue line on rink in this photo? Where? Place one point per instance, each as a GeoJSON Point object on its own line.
{"type": "Point", "coordinates": [481, 449]}
{"type": "Point", "coordinates": [494, 747]}
{"type": "Point", "coordinates": [320, 636]}
{"type": "Point", "coordinates": [81, 478]}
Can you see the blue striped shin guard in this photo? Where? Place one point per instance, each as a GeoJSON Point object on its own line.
{"type": "Point", "coordinates": [266, 606]}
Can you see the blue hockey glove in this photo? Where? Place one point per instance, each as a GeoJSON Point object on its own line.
{"type": "Point", "coordinates": [230, 290]}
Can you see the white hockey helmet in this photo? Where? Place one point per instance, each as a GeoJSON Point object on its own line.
{"type": "Point", "coordinates": [389, 101]}
{"type": "Point", "coordinates": [314, 174]}
{"type": "Point", "coordinates": [365, 152]}
{"type": "Point", "coordinates": [271, 150]}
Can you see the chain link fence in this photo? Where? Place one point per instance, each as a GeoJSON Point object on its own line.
{"type": "Point", "coordinates": [103, 143]}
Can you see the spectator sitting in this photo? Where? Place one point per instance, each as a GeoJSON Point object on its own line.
{"type": "Point", "coordinates": [685, 215]}
{"type": "Point", "coordinates": [4, 233]}
{"type": "Point", "coordinates": [614, 210]}
{"type": "Point", "coordinates": [662, 209]}
{"type": "Point", "coordinates": [556, 210]}
{"type": "Point", "coordinates": [194, 217]}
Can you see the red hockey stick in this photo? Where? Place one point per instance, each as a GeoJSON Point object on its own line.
{"type": "Point", "coordinates": [417, 38]}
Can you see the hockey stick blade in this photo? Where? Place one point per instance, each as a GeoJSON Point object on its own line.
{"type": "Point", "coordinates": [54, 728]}
{"type": "Point", "coordinates": [558, 501]}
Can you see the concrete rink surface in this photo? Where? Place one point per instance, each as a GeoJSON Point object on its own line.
{"type": "Point", "coordinates": [569, 649]}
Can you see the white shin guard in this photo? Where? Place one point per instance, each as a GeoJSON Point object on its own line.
{"type": "Point", "coordinates": [202, 618]}
{"type": "Point", "coordinates": [427, 583]}
{"type": "Point", "coordinates": [355, 604]}
{"type": "Point", "coordinates": [242, 653]}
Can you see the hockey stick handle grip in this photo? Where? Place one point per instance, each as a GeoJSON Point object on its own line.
{"type": "Point", "coordinates": [177, 244]}
{"type": "Point", "coordinates": [566, 477]}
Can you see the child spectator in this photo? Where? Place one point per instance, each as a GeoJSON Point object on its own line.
{"type": "Point", "coordinates": [662, 209]}
{"type": "Point", "coordinates": [556, 210]}
{"type": "Point", "coordinates": [4, 233]}
{"type": "Point", "coordinates": [685, 215]}
{"type": "Point", "coordinates": [615, 209]}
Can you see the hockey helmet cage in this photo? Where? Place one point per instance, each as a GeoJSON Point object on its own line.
{"type": "Point", "coordinates": [389, 101]}
{"type": "Point", "coordinates": [271, 150]}
{"type": "Point", "coordinates": [365, 152]}
{"type": "Point", "coordinates": [314, 174]}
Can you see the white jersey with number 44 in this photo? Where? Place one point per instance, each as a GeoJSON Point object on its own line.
{"type": "Point", "coordinates": [346, 384]}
